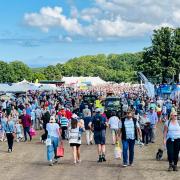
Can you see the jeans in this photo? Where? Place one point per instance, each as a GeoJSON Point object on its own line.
{"type": "Point", "coordinates": [37, 123]}
{"type": "Point", "coordinates": [26, 130]}
{"type": "Point", "coordinates": [173, 148]}
{"type": "Point", "coordinates": [145, 135]}
{"type": "Point", "coordinates": [51, 150]}
{"type": "Point", "coordinates": [128, 144]}
{"type": "Point", "coordinates": [152, 133]}
{"type": "Point", "coordinates": [10, 139]}
{"type": "Point", "coordinates": [89, 136]}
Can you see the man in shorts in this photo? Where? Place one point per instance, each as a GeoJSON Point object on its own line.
{"type": "Point", "coordinates": [98, 125]}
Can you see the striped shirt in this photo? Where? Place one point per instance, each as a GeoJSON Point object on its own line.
{"type": "Point", "coordinates": [64, 122]}
{"type": "Point", "coordinates": [129, 126]}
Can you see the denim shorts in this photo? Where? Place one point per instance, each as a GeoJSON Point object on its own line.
{"type": "Point", "coordinates": [100, 137]}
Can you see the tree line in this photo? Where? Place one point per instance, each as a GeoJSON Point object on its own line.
{"type": "Point", "coordinates": [160, 61]}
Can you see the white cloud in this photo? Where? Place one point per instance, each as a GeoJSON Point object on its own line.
{"type": "Point", "coordinates": [89, 14]}
{"type": "Point", "coordinates": [52, 17]}
{"type": "Point", "coordinates": [68, 39]}
{"type": "Point", "coordinates": [148, 11]}
{"type": "Point", "coordinates": [117, 28]}
{"type": "Point", "coordinates": [64, 38]}
{"type": "Point", "coordinates": [176, 16]}
{"type": "Point", "coordinates": [108, 19]}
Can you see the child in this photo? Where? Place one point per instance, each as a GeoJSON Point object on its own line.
{"type": "Point", "coordinates": [81, 125]}
{"type": "Point", "coordinates": [18, 128]}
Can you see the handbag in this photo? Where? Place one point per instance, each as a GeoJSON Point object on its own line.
{"type": "Point", "coordinates": [60, 150]}
{"type": "Point", "coordinates": [32, 131]}
{"type": "Point", "coordinates": [48, 142]}
{"type": "Point", "coordinates": [117, 151]}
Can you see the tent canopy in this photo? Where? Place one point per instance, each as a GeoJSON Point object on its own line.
{"type": "Point", "coordinates": [83, 80]}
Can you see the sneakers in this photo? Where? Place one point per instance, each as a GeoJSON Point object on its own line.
{"type": "Point", "coordinates": [175, 168]}
{"type": "Point", "coordinates": [9, 150]}
{"type": "Point", "coordinates": [55, 161]}
{"type": "Point", "coordinates": [103, 158]}
{"type": "Point", "coordinates": [170, 167]}
{"type": "Point", "coordinates": [125, 165]}
{"type": "Point", "coordinates": [100, 159]}
{"type": "Point", "coordinates": [79, 161]}
{"type": "Point", "coordinates": [51, 163]}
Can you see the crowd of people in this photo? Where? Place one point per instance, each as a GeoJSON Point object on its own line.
{"type": "Point", "coordinates": [65, 115]}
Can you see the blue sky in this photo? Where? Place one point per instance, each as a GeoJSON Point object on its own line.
{"type": "Point", "coordinates": [42, 32]}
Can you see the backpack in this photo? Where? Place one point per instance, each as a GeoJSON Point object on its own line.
{"type": "Point", "coordinates": [98, 123]}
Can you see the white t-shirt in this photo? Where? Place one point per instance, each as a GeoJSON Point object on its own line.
{"type": "Point", "coordinates": [114, 122]}
{"type": "Point", "coordinates": [173, 130]}
{"type": "Point", "coordinates": [52, 129]}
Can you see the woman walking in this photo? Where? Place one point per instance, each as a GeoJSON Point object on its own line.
{"type": "Point", "coordinates": [54, 136]}
{"type": "Point", "coordinates": [75, 133]}
{"type": "Point", "coordinates": [9, 128]}
{"type": "Point", "coordinates": [172, 141]}
{"type": "Point", "coordinates": [114, 126]}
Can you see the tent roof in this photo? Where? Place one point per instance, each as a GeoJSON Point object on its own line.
{"type": "Point", "coordinates": [76, 80]}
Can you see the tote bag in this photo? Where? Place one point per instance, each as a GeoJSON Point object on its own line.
{"type": "Point", "coordinates": [60, 150]}
{"type": "Point", "coordinates": [48, 142]}
{"type": "Point", "coordinates": [117, 151]}
{"type": "Point", "coordinates": [32, 132]}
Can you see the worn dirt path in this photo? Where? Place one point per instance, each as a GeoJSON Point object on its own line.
{"type": "Point", "coordinates": [28, 162]}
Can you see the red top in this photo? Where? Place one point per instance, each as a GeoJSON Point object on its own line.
{"type": "Point", "coordinates": [68, 114]}
{"type": "Point", "coordinates": [26, 120]}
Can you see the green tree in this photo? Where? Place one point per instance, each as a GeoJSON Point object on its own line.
{"type": "Point", "coordinates": [176, 52]}
{"type": "Point", "coordinates": [6, 73]}
{"type": "Point", "coordinates": [52, 73]}
{"type": "Point", "coordinates": [39, 76]}
{"type": "Point", "coordinates": [159, 59]}
{"type": "Point", "coordinates": [21, 71]}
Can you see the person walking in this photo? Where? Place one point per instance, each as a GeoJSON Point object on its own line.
{"type": "Point", "coordinates": [45, 118]}
{"type": "Point", "coordinates": [75, 134]}
{"type": "Point", "coordinates": [26, 122]}
{"type": "Point", "coordinates": [129, 131]}
{"type": "Point", "coordinates": [87, 120]}
{"type": "Point", "coordinates": [38, 115]}
{"type": "Point", "coordinates": [64, 122]}
{"type": "Point", "coordinates": [145, 127]}
{"type": "Point", "coordinates": [152, 116]}
{"type": "Point", "coordinates": [98, 125]}
{"type": "Point", "coordinates": [172, 141]}
{"type": "Point", "coordinates": [114, 126]}
{"type": "Point", "coordinates": [54, 135]}
{"type": "Point", "coordinates": [9, 129]}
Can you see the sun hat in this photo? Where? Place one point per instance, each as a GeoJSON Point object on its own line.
{"type": "Point", "coordinates": [74, 116]}
{"type": "Point", "coordinates": [52, 119]}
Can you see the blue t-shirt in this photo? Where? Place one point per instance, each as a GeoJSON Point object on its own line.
{"type": "Point", "coordinates": [98, 121]}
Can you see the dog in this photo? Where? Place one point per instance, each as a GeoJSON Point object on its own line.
{"type": "Point", "coordinates": [159, 155]}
